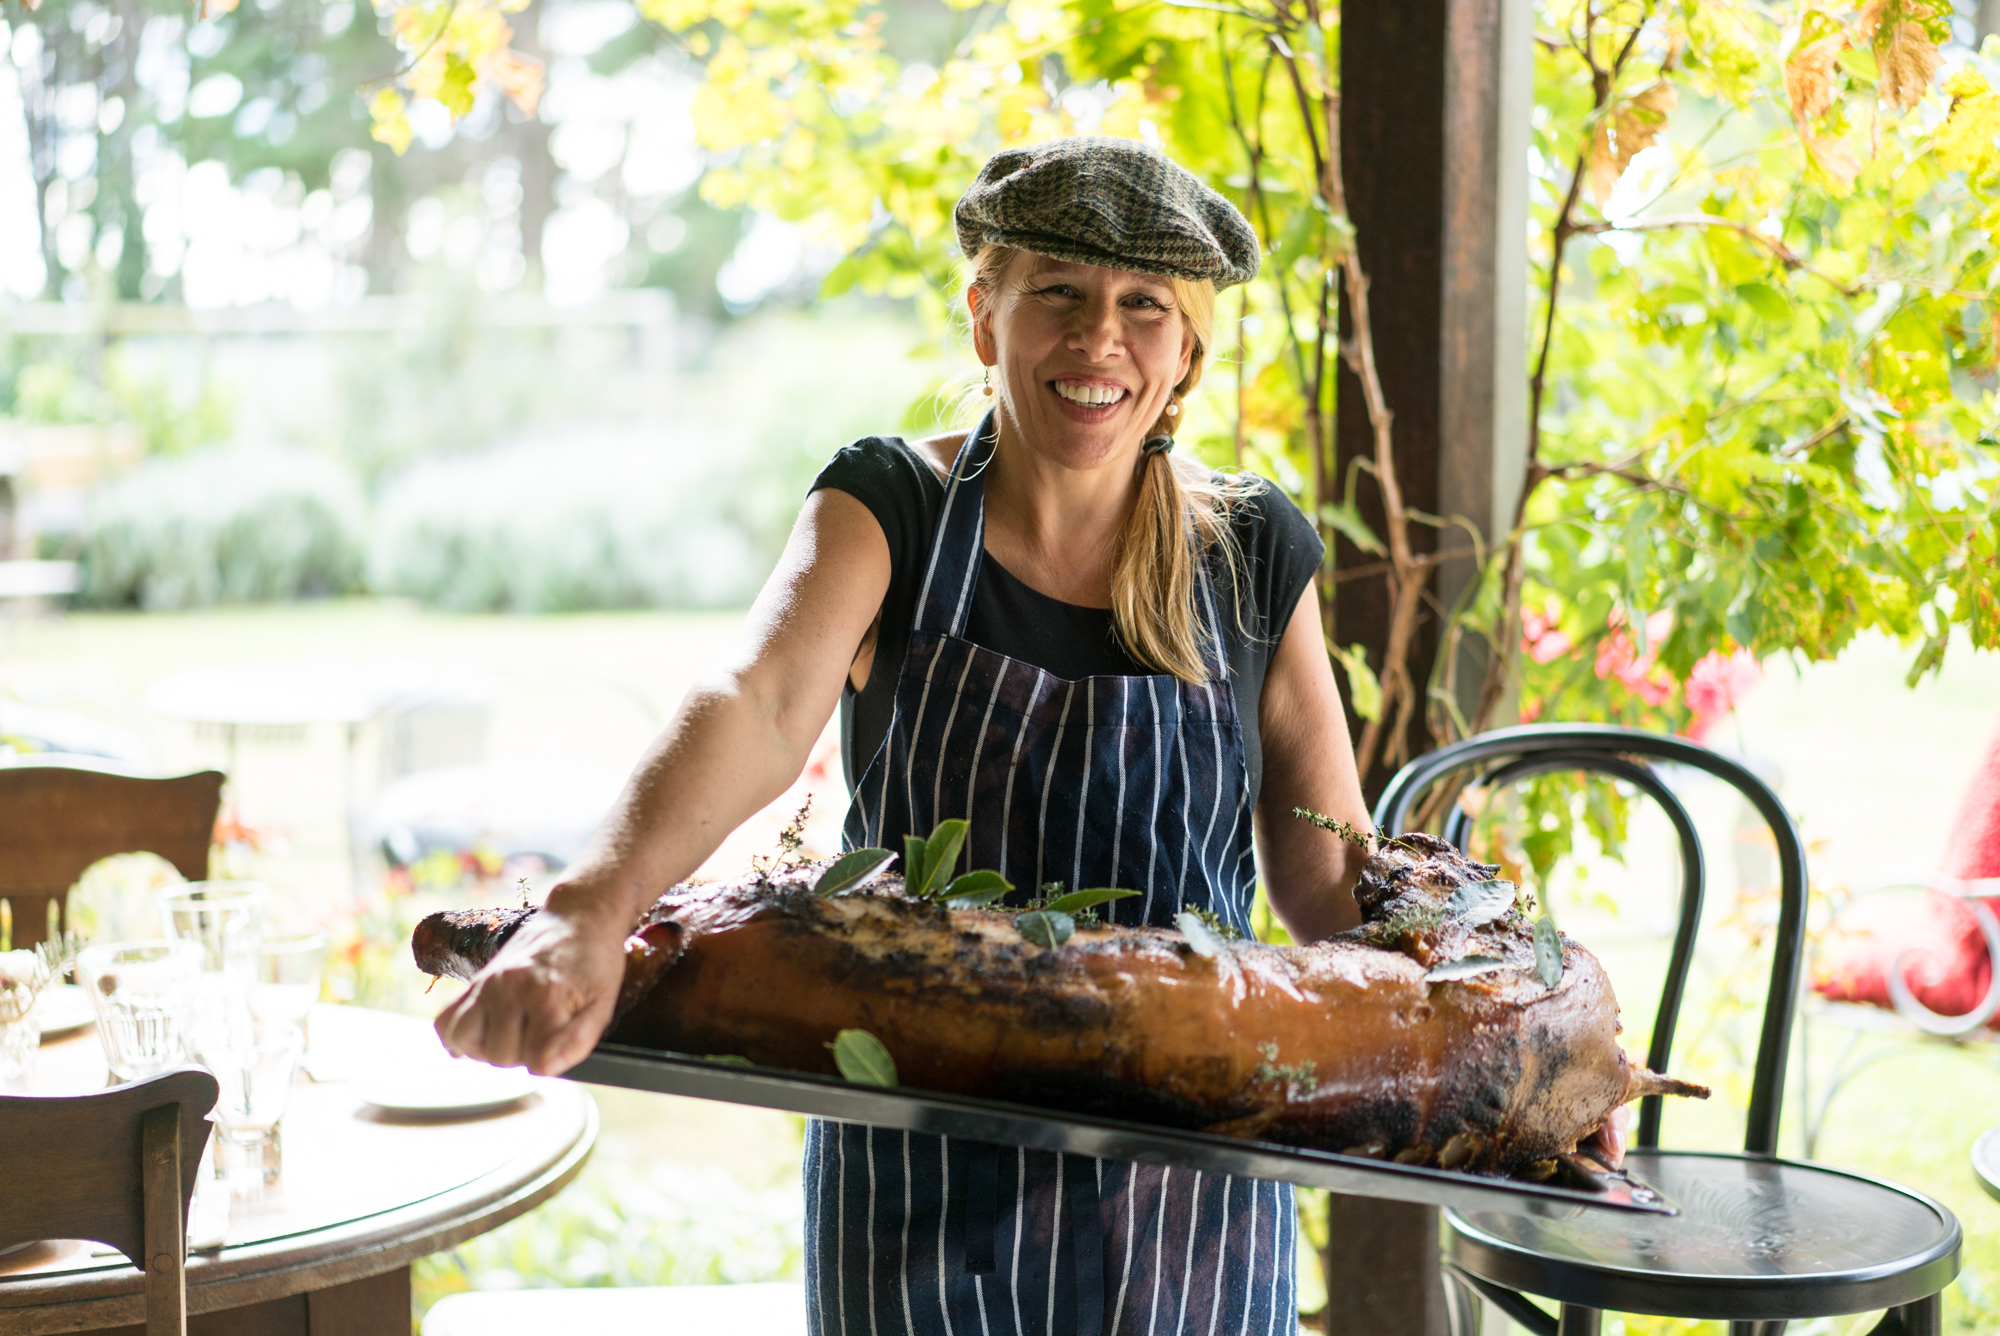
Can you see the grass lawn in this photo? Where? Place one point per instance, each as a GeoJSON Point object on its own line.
{"type": "Point", "coordinates": [682, 1191]}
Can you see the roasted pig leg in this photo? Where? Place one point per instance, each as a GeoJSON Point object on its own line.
{"type": "Point", "coordinates": [1423, 1036]}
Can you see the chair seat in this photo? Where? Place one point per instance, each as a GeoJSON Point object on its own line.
{"type": "Point", "coordinates": [669, 1310]}
{"type": "Point", "coordinates": [1756, 1237]}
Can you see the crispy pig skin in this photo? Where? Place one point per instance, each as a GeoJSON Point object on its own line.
{"type": "Point", "coordinates": [1343, 1045]}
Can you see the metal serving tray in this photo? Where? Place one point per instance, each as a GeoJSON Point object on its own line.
{"type": "Point", "coordinates": [1084, 1134]}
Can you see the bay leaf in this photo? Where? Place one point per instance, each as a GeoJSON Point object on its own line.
{"type": "Point", "coordinates": [1046, 928]}
{"type": "Point", "coordinates": [862, 1058]}
{"type": "Point", "coordinates": [1480, 902]}
{"type": "Point", "coordinates": [855, 868]}
{"type": "Point", "coordinates": [1465, 968]}
{"type": "Point", "coordinates": [1548, 951]}
{"type": "Point", "coordinates": [1090, 899]}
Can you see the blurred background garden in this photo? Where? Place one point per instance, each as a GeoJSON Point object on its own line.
{"type": "Point", "coordinates": [401, 422]}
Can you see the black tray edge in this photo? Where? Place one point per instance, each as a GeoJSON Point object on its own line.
{"type": "Point", "coordinates": [1085, 1134]}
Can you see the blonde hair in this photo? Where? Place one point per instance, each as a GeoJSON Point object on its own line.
{"type": "Point", "coordinates": [1157, 606]}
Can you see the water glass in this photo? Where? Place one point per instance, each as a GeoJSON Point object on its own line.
{"type": "Point", "coordinates": [288, 977]}
{"type": "Point", "coordinates": [225, 917]}
{"type": "Point", "coordinates": [20, 1033]}
{"type": "Point", "coordinates": [255, 1071]}
{"type": "Point", "coordinates": [144, 994]}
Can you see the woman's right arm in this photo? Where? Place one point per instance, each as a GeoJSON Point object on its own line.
{"type": "Point", "coordinates": [741, 737]}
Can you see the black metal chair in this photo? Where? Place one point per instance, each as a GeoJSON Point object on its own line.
{"type": "Point", "coordinates": [1759, 1241]}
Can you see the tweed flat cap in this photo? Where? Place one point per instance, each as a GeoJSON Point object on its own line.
{"type": "Point", "coordinates": [1109, 202]}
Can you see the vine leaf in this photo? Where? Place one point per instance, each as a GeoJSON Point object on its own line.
{"type": "Point", "coordinates": [1548, 951]}
{"type": "Point", "coordinates": [1076, 901]}
{"type": "Point", "coordinates": [862, 1058]}
{"type": "Point", "coordinates": [856, 868]}
{"type": "Point", "coordinates": [1625, 130]}
{"type": "Point", "coordinates": [1046, 928]}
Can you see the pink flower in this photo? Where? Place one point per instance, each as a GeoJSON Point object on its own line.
{"type": "Point", "coordinates": [1717, 685]}
{"type": "Point", "coordinates": [1618, 657]}
{"type": "Point", "coordinates": [1541, 639]}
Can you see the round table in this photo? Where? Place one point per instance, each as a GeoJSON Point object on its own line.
{"type": "Point", "coordinates": [1986, 1161]}
{"type": "Point", "coordinates": [326, 1250]}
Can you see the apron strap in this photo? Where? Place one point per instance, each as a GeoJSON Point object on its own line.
{"type": "Point", "coordinates": [946, 595]}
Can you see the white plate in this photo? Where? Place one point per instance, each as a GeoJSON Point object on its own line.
{"type": "Point", "coordinates": [63, 1008]}
{"type": "Point", "coordinates": [450, 1087]}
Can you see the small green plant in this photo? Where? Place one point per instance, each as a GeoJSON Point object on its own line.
{"type": "Point", "coordinates": [1368, 841]}
{"type": "Point", "coordinates": [927, 868]}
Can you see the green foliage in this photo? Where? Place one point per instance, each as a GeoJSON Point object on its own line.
{"type": "Point", "coordinates": [1768, 396]}
{"type": "Point", "coordinates": [223, 526]}
{"type": "Point", "coordinates": [863, 1059]}
{"type": "Point", "coordinates": [1771, 409]}
{"type": "Point", "coordinates": [1045, 928]}
{"type": "Point", "coordinates": [665, 1226]}
{"type": "Point", "coordinates": [1076, 901]}
{"type": "Point", "coordinates": [855, 868]}
{"type": "Point", "coordinates": [927, 865]}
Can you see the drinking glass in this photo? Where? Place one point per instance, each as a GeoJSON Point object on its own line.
{"type": "Point", "coordinates": [225, 917]}
{"type": "Point", "coordinates": [144, 995]}
{"type": "Point", "coordinates": [288, 976]}
{"type": "Point", "coordinates": [255, 1064]}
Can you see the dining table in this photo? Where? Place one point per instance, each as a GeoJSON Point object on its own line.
{"type": "Point", "coordinates": [1986, 1161]}
{"type": "Point", "coordinates": [365, 1188]}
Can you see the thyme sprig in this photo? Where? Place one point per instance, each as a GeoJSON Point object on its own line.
{"type": "Point", "coordinates": [1368, 841]}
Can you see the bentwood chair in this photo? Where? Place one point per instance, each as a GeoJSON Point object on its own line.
{"type": "Point", "coordinates": [56, 819]}
{"type": "Point", "coordinates": [116, 1167]}
{"type": "Point", "coordinates": [1759, 1241]}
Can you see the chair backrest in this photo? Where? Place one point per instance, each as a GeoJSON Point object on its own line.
{"type": "Point", "coordinates": [1510, 754]}
{"type": "Point", "coordinates": [56, 820]}
{"type": "Point", "coordinates": [116, 1167]}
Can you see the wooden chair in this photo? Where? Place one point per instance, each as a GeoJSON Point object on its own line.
{"type": "Point", "coordinates": [117, 1168]}
{"type": "Point", "coordinates": [59, 818]}
{"type": "Point", "coordinates": [1759, 1241]}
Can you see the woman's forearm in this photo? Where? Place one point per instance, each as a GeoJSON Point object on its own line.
{"type": "Point", "coordinates": [722, 758]}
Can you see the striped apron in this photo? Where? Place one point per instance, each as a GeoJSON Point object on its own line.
{"type": "Point", "coordinates": [1137, 782]}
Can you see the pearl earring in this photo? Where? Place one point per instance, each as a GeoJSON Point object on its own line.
{"type": "Point", "coordinates": [1173, 410]}
{"type": "Point", "coordinates": [988, 390]}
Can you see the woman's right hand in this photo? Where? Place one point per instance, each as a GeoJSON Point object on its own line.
{"type": "Point", "coordinates": [544, 1000]}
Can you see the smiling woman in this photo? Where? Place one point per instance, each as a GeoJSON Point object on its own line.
{"type": "Point", "coordinates": [1054, 391]}
{"type": "Point", "coordinates": [1104, 661]}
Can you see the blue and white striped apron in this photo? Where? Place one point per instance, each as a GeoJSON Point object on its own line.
{"type": "Point", "coordinates": [1137, 782]}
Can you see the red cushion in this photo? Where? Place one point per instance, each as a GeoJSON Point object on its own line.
{"type": "Point", "coordinates": [1948, 968]}
{"type": "Point", "coordinates": [1972, 850]}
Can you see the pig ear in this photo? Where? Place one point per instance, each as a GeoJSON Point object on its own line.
{"type": "Point", "coordinates": [1641, 1082]}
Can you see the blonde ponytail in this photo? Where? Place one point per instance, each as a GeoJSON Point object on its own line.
{"type": "Point", "coordinates": [1158, 607]}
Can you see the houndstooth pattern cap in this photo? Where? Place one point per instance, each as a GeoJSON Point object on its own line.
{"type": "Point", "coordinates": [1110, 202]}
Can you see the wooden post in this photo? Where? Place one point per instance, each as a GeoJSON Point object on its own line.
{"type": "Point", "coordinates": [1435, 98]}
{"type": "Point", "coordinates": [166, 1242]}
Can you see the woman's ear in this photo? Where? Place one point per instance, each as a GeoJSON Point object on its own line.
{"type": "Point", "coordinates": [982, 327]}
